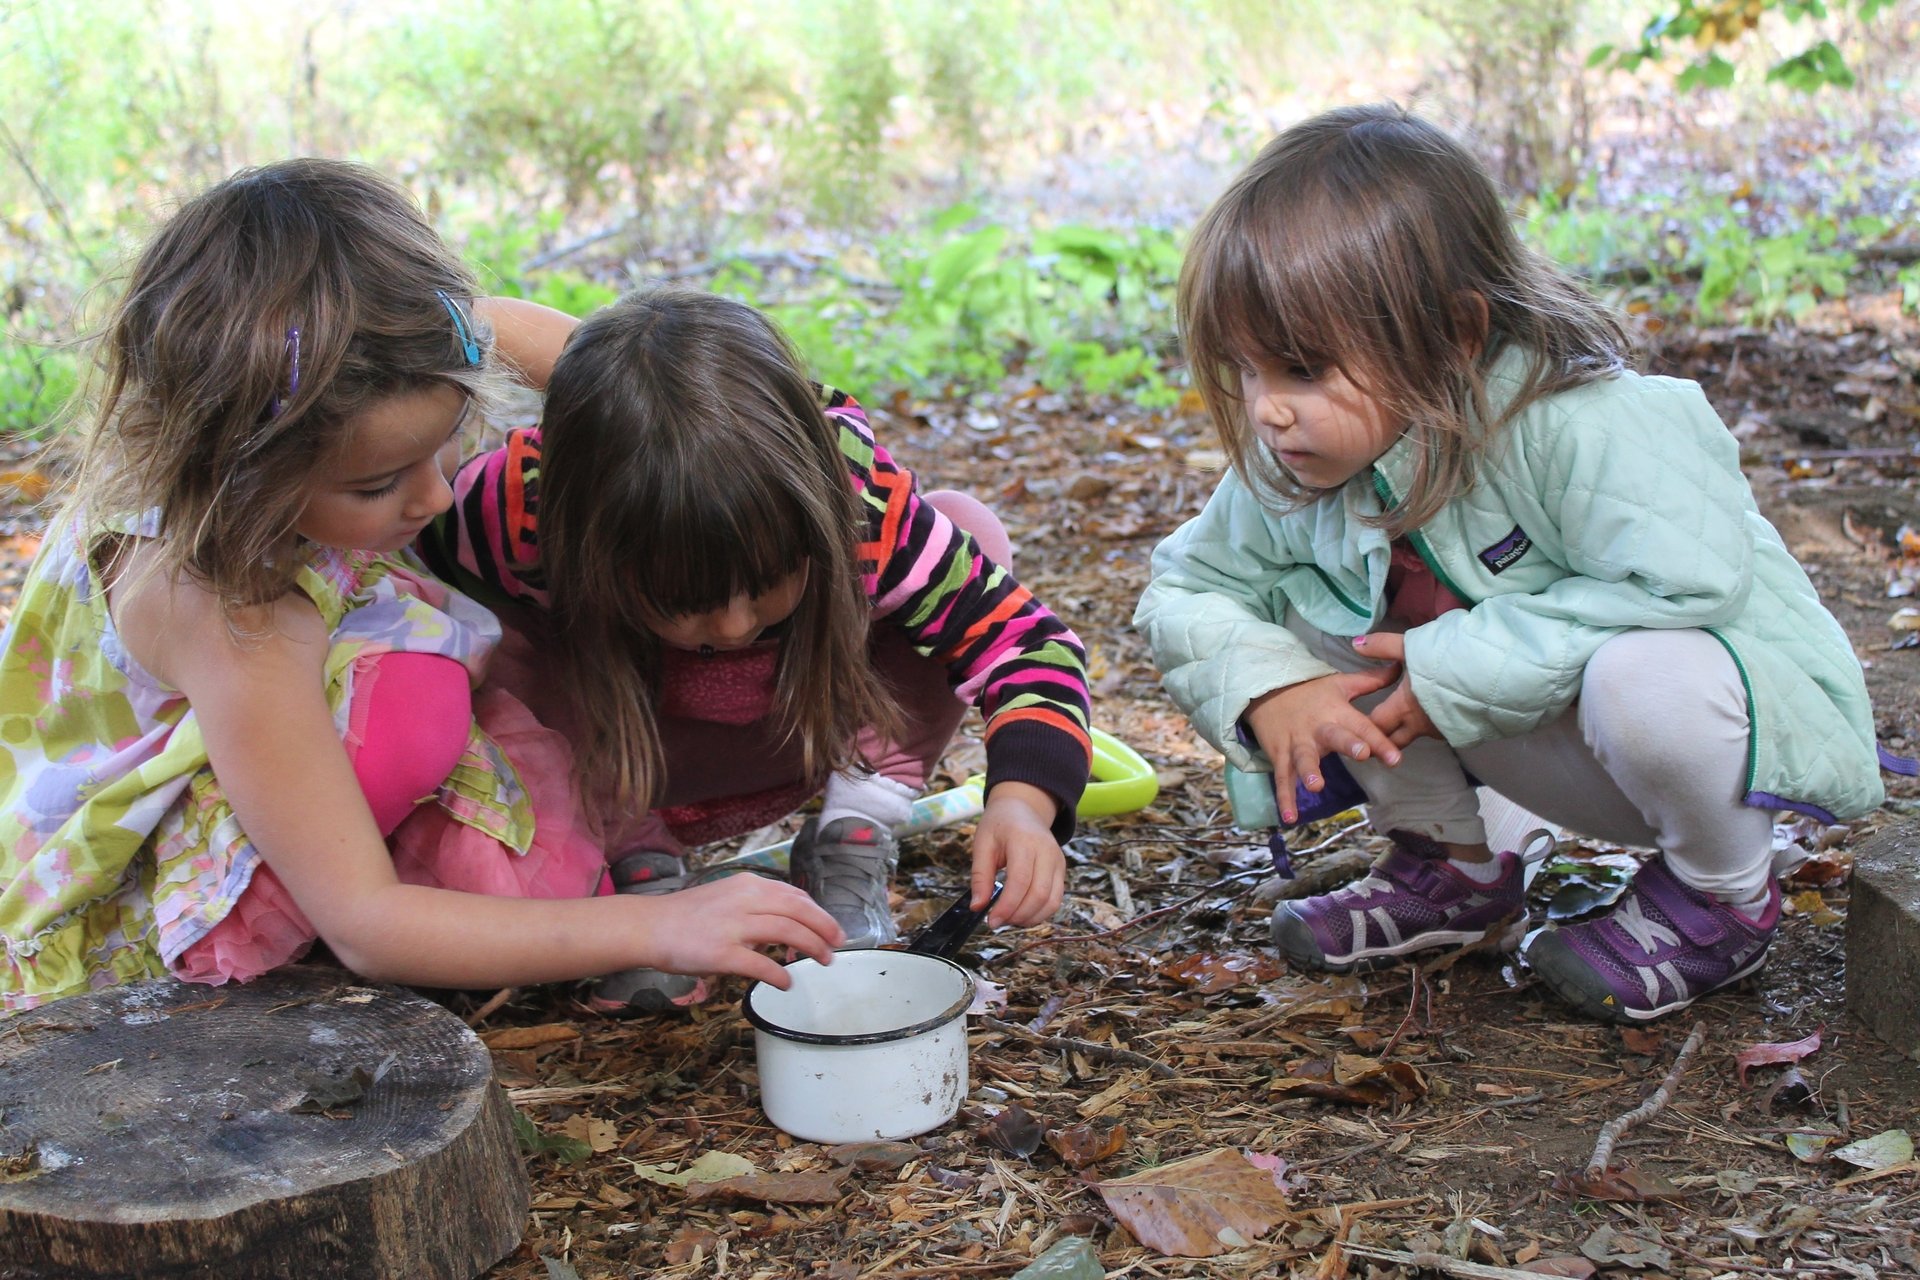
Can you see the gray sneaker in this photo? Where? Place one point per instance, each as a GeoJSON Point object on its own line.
{"type": "Point", "coordinates": [846, 867]}
{"type": "Point", "coordinates": [639, 991]}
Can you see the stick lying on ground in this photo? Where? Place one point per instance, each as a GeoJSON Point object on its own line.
{"type": "Point", "coordinates": [1603, 1149]}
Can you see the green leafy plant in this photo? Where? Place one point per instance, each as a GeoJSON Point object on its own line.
{"type": "Point", "coordinates": [38, 376]}
{"type": "Point", "coordinates": [1719, 25]}
{"type": "Point", "coordinates": [966, 305]}
{"type": "Point", "coordinates": [1745, 275]}
{"type": "Point", "coordinates": [534, 1141]}
{"type": "Point", "coordinates": [1909, 281]}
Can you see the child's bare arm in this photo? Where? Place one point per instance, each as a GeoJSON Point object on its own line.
{"type": "Point", "coordinates": [1297, 725]}
{"type": "Point", "coordinates": [527, 335]}
{"type": "Point", "coordinates": [261, 707]}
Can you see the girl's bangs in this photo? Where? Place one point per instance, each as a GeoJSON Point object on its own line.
{"type": "Point", "coordinates": [1264, 306]}
{"type": "Point", "coordinates": [699, 554]}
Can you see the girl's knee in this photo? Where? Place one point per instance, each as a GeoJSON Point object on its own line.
{"type": "Point", "coordinates": [411, 717]}
{"type": "Point", "coordinates": [1664, 668]}
{"type": "Point", "coordinates": [977, 519]}
{"type": "Point", "coordinates": [1662, 692]}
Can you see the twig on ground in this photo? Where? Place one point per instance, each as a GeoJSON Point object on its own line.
{"type": "Point", "coordinates": [1610, 1134]}
{"type": "Point", "coordinates": [1328, 873]}
{"type": "Point", "coordinates": [1520, 1101]}
{"type": "Point", "coordinates": [1489, 941]}
{"type": "Point", "coordinates": [1802, 1267]}
{"type": "Point", "coordinates": [1104, 1052]}
{"type": "Point", "coordinates": [493, 1003]}
{"type": "Point", "coordinates": [1232, 842]}
{"type": "Point", "coordinates": [1333, 1263]}
{"type": "Point", "coordinates": [1343, 1156]}
{"type": "Point", "coordinates": [1442, 1262]}
{"type": "Point", "coordinates": [1413, 1002]}
{"type": "Point", "coordinates": [799, 263]}
{"type": "Point", "coordinates": [551, 256]}
{"type": "Point", "coordinates": [1213, 887]}
{"type": "Point", "coordinates": [1047, 1011]}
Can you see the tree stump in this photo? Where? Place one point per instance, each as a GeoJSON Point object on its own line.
{"type": "Point", "coordinates": [302, 1125]}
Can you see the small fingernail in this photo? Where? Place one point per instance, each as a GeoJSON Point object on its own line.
{"type": "Point", "coordinates": [1359, 642]}
{"type": "Point", "coordinates": [1313, 779]}
{"type": "Point", "coordinates": [1359, 753]}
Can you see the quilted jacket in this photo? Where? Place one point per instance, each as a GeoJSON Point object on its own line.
{"type": "Point", "coordinates": [1612, 506]}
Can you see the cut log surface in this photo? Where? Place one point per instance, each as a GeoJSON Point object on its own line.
{"type": "Point", "coordinates": [303, 1125]}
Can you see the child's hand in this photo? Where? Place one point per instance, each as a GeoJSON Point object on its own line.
{"type": "Point", "coordinates": [1297, 725]}
{"type": "Point", "coordinates": [719, 927]}
{"type": "Point", "coordinates": [1399, 715]}
{"type": "Point", "coordinates": [1016, 832]}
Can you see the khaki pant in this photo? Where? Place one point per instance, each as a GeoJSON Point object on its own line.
{"type": "Point", "coordinates": [1653, 753]}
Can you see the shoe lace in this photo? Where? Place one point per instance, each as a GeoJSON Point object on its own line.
{"type": "Point", "coordinates": [852, 875]}
{"type": "Point", "coordinates": [1370, 886]}
{"type": "Point", "coordinates": [1642, 930]}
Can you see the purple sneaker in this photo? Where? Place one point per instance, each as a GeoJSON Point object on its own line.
{"type": "Point", "coordinates": [1410, 901]}
{"type": "Point", "coordinates": [1663, 946]}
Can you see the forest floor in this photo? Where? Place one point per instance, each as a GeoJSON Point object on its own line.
{"type": "Point", "coordinates": [1467, 1095]}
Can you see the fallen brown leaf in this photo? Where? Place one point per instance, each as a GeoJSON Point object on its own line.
{"type": "Point", "coordinates": [1089, 1143]}
{"type": "Point", "coordinates": [690, 1244]}
{"type": "Point", "coordinates": [1014, 1131]}
{"type": "Point", "coordinates": [1760, 1055]}
{"type": "Point", "coordinates": [1640, 1040]}
{"type": "Point", "coordinates": [597, 1133]}
{"type": "Point", "coordinates": [529, 1037]}
{"type": "Point", "coordinates": [1633, 1186]}
{"type": "Point", "coordinates": [773, 1188]}
{"type": "Point", "coordinates": [1351, 1078]}
{"type": "Point", "coordinates": [1197, 1207]}
{"type": "Point", "coordinates": [1209, 974]}
{"type": "Point", "coordinates": [874, 1157]}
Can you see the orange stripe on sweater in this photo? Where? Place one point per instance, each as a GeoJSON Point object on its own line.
{"type": "Point", "coordinates": [1046, 716]}
{"type": "Point", "coordinates": [897, 490]}
{"type": "Point", "coordinates": [514, 518]}
{"type": "Point", "coordinates": [988, 623]}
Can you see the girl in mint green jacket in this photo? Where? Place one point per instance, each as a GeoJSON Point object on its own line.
{"type": "Point", "coordinates": [1462, 544]}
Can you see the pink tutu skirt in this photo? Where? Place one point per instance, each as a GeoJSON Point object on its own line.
{"type": "Point", "coordinates": [266, 929]}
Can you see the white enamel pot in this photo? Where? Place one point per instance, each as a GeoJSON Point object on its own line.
{"type": "Point", "coordinates": [872, 1046]}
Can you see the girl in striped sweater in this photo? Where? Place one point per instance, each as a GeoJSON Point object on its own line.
{"type": "Point", "coordinates": [735, 599]}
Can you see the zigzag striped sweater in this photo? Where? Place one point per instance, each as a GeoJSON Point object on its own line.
{"type": "Point", "coordinates": [1004, 651]}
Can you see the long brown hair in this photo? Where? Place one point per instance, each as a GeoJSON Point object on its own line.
{"type": "Point", "coordinates": [685, 460]}
{"type": "Point", "coordinates": [1365, 239]}
{"type": "Point", "coordinates": [196, 411]}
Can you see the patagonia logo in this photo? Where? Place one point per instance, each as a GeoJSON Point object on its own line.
{"type": "Point", "coordinates": [1500, 556]}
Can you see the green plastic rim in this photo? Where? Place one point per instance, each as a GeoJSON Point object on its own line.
{"type": "Point", "coordinates": [1123, 781]}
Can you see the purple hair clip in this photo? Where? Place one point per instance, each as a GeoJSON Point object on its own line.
{"type": "Point", "coordinates": [293, 374]}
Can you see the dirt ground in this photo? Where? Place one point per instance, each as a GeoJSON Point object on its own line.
{"type": "Point", "coordinates": [1464, 1157]}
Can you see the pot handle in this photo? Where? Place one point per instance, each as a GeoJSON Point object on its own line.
{"type": "Point", "coordinates": [947, 932]}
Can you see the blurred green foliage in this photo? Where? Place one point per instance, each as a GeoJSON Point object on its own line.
{"type": "Point", "coordinates": [970, 302]}
{"type": "Point", "coordinates": [1716, 27]}
{"type": "Point", "coordinates": [572, 148]}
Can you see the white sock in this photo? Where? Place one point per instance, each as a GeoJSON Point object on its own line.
{"type": "Point", "coordinates": [874, 797]}
{"type": "Point", "coordinates": [1752, 907]}
{"type": "Point", "coordinates": [1479, 872]}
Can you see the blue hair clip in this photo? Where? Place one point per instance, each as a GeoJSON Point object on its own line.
{"type": "Point", "coordinates": [467, 343]}
{"type": "Point", "coordinates": [293, 375]}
